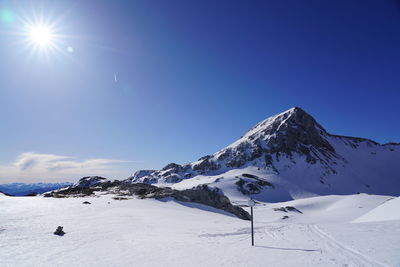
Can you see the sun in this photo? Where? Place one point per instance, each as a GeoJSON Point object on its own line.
{"type": "Point", "coordinates": [41, 35]}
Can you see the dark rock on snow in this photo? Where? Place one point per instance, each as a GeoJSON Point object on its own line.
{"type": "Point", "coordinates": [89, 181]}
{"type": "Point", "coordinates": [287, 208]}
{"type": "Point", "coordinates": [59, 231]}
{"type": "Point", "coordinates": [251, 184]}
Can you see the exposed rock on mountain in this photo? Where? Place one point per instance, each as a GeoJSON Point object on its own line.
{"type": "Point", "coordinates": [89, 181]}
{"type": "Point", "coordinates": [251, 184]}
{"type": "Point", "coordinates": [287, 209]}
{"type": "Point", "coordinates": [296, 156]}
{"type": "Point", "coordinates": [201, 194]}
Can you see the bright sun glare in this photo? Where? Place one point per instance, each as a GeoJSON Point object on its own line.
{"type": "Point", "coordinates": [41, 35]}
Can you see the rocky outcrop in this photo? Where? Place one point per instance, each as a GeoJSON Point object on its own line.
{"type": "Point", "coordinates": [84, 187]}
{"type": "Point", "coordinates": [288, 209]}
{"type": "Point", "coordinates": [251, 184]}
{"type": "Point", "coordinates": [143, 173]}
{"type": "Point", "coordinates": [202, 194]}
{"type": "Point", "coordinates": [89, 181]}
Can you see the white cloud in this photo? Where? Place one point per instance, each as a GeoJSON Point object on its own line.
{"type": "Point", "coordinates": [33, 167]}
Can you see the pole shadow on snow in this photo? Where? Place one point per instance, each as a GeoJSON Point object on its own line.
{"type": "Point", "coordinates": [296, 249]}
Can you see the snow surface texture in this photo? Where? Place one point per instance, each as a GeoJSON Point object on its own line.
{"type": "Point", "coordinates": [291, 156]}
{"type": "Point", "coordinates": [388, 211]}
{"type": "Point", "coordinates": [153, 233]}
{"type": "Point", "coordinates": [22, 189]}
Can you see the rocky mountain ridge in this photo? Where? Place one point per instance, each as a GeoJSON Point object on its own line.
{"type": "Point", "coordinates": [282, 141]}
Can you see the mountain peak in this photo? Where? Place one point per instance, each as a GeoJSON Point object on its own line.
{"type": "Point", "coordinates": [292, 131]}
{"type": "Point", "coordinates": [291, 111]}
{"type": "Point", "coordinates": [285, 134]}
{"type": "Point", "coordinates": [295, 110]}
{"type": "Point", "coordinates": [294, 122]}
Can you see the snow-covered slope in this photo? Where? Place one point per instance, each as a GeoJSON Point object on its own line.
{"type": "Point", "coordinates": [22, 189]}
{"type": "Point", "coordinates": [389, 210]}
{"type": "Point", "coordinates": [138, 232]}
{"type": "Point", "coordinates": [289, 156]}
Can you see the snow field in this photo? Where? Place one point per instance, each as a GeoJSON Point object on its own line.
{"type": "Point", "coordinates": [153, 233]}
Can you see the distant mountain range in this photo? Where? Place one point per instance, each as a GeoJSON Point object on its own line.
{"type": "Point", "coordinates": [288, 156]}
{"type": "Point", "coordinates": [22, 189]}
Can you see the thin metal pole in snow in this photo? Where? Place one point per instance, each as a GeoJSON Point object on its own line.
{"type": "Point", "coordinates": [252, 228]}
{"type": "Point", "coordinates": [251, 205]}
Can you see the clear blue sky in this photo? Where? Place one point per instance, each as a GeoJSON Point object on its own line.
{"type": "Point", "coordinates": [191, 77]}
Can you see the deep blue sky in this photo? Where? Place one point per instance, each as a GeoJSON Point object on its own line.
{"type": "Point", "coordinates": [192, 76]}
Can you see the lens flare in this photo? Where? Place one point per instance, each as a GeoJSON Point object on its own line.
{"type": "Point", "coordinates": [6, 16]}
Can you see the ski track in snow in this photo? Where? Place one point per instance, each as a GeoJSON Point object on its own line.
{"type": "Point", "coordinates": [351, 254]}
{"type": "Point", "coordinates": [281, 238]}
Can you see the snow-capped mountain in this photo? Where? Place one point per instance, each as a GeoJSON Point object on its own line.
{"type": "Point", "coordinates": [288, 156]}
{"type": "Point", "coordinates": [22, 189]}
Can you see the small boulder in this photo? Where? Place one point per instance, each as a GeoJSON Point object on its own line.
{"type": "Point", "coordinates": [86, 202]}
{"type": "Point", "coordinates": [59, 231]}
